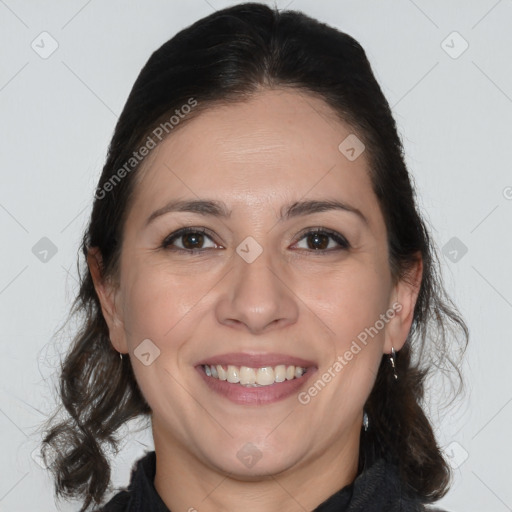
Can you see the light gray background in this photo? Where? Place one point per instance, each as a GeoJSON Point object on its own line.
{"type": "Point", "coordinates": [57, 116]}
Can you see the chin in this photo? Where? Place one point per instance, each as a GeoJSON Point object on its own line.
{"type": "Point", "coordinates": [262, 468]}
{"type": "Point", "coordinates": [246, 460]}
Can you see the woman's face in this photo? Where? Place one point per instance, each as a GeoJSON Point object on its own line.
{"type": "Point", "coordinates": [272, 275]}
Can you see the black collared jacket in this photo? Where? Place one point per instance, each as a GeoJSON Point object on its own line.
{"type": "Point", "coordinates": [376, 489]}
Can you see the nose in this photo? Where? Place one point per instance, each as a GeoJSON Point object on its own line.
{"type": "Point", "coordinates": [256, 296]}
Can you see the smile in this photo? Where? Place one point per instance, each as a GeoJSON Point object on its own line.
{"type": "Point", "coordinates": [254, 377]}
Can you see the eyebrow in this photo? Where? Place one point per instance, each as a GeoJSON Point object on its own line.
{"type": "Point", "coordinates": [219, 209]}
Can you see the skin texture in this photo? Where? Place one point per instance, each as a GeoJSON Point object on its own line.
{"type": "Point", "coordinates": [276, 148]}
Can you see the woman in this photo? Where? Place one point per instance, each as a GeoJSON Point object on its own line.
{"type": "Point", "coordinates": [256, 255]}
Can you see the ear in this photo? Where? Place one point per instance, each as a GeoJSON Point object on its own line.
{"type": "Point", "coordinates": [405, 295]}
{"type": "Point", "coordinates": [107, 292]}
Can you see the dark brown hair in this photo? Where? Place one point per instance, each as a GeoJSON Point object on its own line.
{"type": "Point", "coordinates": [224, 58]}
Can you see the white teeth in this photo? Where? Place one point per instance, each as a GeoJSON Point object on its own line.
{"type": "Point", "coordinates": [233, 374]}
{"type": "Point", "coordinates": [280, 373]}
{"type": "Point", "coordinates": [251, 377]}
{"type": "Point", "coordinates": [265, 376]}
{"type": "Point", "coordinates": [247, 375]}
{"type": "Point", "coordinates": [221, 372]}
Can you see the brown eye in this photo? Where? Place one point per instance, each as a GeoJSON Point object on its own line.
{"type": "Point", "coordinates": [188, 239]}
{"type": "Point", "coordinates": [192, 240]}
{"type": "Point", "coordinates": [317, 241]}
{"type": "Point", "coordinates": [323, 241]}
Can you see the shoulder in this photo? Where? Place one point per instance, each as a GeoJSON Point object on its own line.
{"type": "Point", "coordinates": [140, 486]}
{"type": "Point", "coordinates": [118, 503]}
{"type": "Point", "coordinates": [414, 503]}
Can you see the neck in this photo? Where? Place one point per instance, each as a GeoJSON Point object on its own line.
{"type": "Point", "coordinates": [186, 483]}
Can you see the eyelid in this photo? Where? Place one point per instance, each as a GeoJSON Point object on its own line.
{"type": "Point", "coordinates": [167, 242]}
{"type": "Point", "coordinates": [343, 243]}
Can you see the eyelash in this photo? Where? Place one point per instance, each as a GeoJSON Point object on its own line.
{"type": "Point", "coordinates": [339, 239]}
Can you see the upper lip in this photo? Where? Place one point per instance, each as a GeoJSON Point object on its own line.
{"type": "Point", "coordinates": [255, 360]}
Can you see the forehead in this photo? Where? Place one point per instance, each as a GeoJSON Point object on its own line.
{"type": "Point", "coordinates": [277, 145]}
{"type": "Point", "coordinates": [277, 124]}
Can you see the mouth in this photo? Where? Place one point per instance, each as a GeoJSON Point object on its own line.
{"type": "Point", "coordinates": [255, 379]}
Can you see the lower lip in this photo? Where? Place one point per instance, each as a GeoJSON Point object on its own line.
{"type": "Point", "coordinates": [256, 395]}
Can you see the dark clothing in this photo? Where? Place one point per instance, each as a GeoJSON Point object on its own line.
{"type": "Point", "coordinates": [376, 489]}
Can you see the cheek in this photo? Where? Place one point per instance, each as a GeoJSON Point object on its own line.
{"type": "Point", "coordinates": [157, 300]}
{"type": "Point", "coordinates": [350, 299]}
{"type": "Point", "coordinates": [163, 308]}
{"type": "Point", "coordinates": [351, 302]}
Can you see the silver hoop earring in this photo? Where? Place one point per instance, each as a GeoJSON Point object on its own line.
{"type": "Point", "coordinates": [392, 360]}
{"type": "Point", "coordinates": [366, 422]}
{"type": "Point", "coordinates": [121, 356]}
